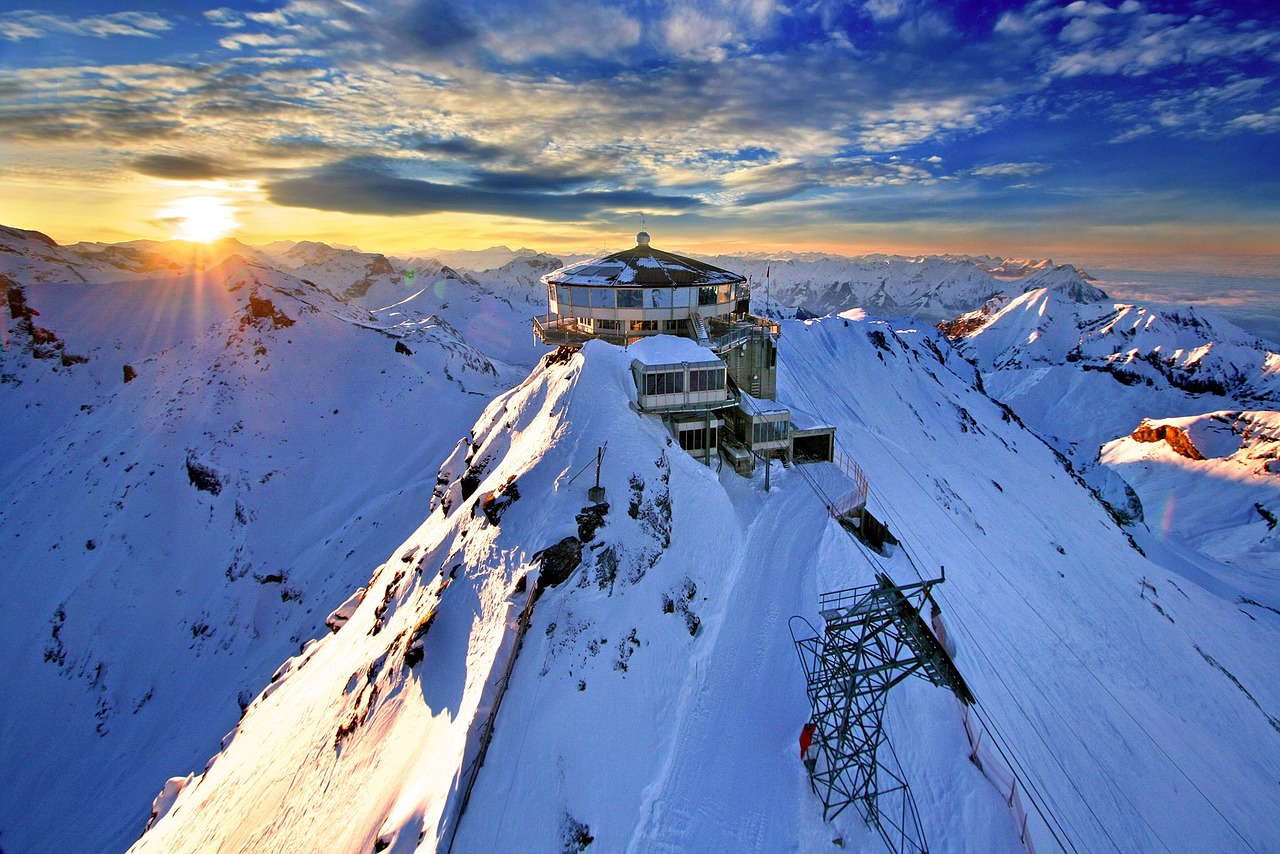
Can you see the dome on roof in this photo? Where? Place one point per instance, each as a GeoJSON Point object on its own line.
{"type": "Point", "coordinates": [642, 266]}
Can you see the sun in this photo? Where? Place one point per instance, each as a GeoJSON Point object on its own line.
{"type": "Point", "coordinates": [201, 219]}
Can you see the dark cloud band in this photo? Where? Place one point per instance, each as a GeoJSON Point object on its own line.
{"type": "Point", "coordinates": [372, 188]}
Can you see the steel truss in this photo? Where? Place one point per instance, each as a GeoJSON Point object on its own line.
{"type": "Point", "coordinates": [873, 638]}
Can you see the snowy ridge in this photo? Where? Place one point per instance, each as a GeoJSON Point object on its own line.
{"type": "Point", "coordinates": [655, 702]}
{"type": "Point", "coordinates": [932, 288]}
{"type": "Point", "coordinates": [174, 530]}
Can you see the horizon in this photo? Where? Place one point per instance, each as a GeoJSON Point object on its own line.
{"type": "Point", "coordinates": [1042, 129]}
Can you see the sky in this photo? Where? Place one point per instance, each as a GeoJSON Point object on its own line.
{"type": "Point", "coordinates": [1032, 129]}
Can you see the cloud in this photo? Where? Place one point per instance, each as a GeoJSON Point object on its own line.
{"type": "Point", "coordinates": [183, 167]}
{"type": "Point", "coordinates": [1009, 170]}
{"type": "Point", "coordinates": [1262, 122]}
{"type": "Point", "coordinates": [910, 122]}
{"type": "Point", "coordinates": [373, 187]}
{"type": "Point", "coordinates": [884, 10]}
{"type": "Point", "coordinates": [239, 40]}
{"type": "Point", "coordinates": [1087, 38]}
{"type": "Point", "coordinates": [460, 147]}
{"type": "Point", "coordinates": [223, 17]}
{"type": "Point", "coordinates": [30, 24]}
{"type": "Point", "coordinates": [561, 28]}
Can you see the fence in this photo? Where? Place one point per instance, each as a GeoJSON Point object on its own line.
{"type": "Point", "coordinates": [992, 767]}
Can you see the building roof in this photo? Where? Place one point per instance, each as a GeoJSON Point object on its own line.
{"type": "Point", "coordinates": [642, 266]}
{"type": "Point", "coordinates": [671, 350]}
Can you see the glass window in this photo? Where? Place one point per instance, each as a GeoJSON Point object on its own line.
{"type": "Point", "coordinates": [562, 294]}
{"type": "Point", "coordinates": [660, 298]}
{"type": "Point", "coordinates": [630, 298]}
{"type": "Point", "coordinates": [769, 431]}
{"type": "Point", "coordinates": [698, 438]}
{"type": "Point", "coordinates": [580, 296]}
{"type": "Point", "coordinates": [707, 295]}
{"type": "Point", "coordinates": [682, 297]}
{"type": "Point", "coordinates": [665, 382]}
{"type": "Point", "coordinates": [602, 298]}
{"type": "Point", "coordinates": [644, 326]}
{"type": "Point", "coordinates": [609, 325]}
{"type": "Point", "coordinates": [706, 379]}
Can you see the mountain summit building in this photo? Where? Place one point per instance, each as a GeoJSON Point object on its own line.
{"type": "Point", "coordinates": [703, 361]}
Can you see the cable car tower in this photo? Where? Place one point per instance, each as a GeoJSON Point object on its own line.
{"type": "Point", "coordinates": [873, 638]}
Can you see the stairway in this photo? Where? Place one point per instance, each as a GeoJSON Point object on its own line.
{"type": "Point", "coordinates": [700, 329]}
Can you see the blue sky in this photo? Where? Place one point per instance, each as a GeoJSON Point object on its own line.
{"type": "Point", "coordinates": [894, 125]}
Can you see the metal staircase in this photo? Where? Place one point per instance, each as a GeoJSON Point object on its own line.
{"type": "Point", "coordinates": [700, 328]}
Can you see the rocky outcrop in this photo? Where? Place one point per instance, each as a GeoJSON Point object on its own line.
{"type": "Point", "coordinates": [1176, 438]}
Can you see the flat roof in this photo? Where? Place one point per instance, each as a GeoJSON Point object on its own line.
{"type": "Point", "coordinates": [671, 350]}
{"type": "Point", "coordinates": [760, 406]}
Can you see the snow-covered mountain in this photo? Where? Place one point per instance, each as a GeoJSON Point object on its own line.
{"type": "Point", "coordinates": [1167, 412]}
{"type": "Point", "coordinates": [656, 697]}
{"type": "Point", "coordinates": [932, 288]}
{"type": "Point", "coordinates": [1212, 479]}
{"type": "Point", "coordinates": [29, 256]}
{"type": "Point", "coordinates": [199, 465]}
{"type": "Point", "coordinates": [210, 458]}
{"type": "Point", "coordinates": [476, 260]}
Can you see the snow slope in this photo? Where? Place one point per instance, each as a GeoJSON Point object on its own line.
{"type": "Point", "coordinates": [1221, 493]}
{"type": "Point", "coordinates": [656, 698]}
{"type": "Point", "coordinates": [168, 540]}
{"type": "Point", "coordinates": [1088, 376]}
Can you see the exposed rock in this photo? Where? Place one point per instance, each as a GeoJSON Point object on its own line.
{"type": "Point", "coordinates": [340, 615]}
{"type": "Point", "coordinates": [415, 648]}
{"type": "Point", "coordinates": [497, 502]}
{"type": "Point", "coordinates": [590, 520]}
{"type": "Point", "coordinates": [559, 562]}
{"type": "Point", "coordinates": [130, 373]}
{"type": "Point", "coordinates": [560, 356]}
{"type": "Point", "coordinates": [203, 477]}
{"type": "Point", "coordinates": [264, 309]}
{"type": "Point", "coordinates": [1176, 438]}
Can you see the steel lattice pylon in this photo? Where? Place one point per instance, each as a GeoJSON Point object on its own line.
{"type": "Point", "coordinates": [873, 638]}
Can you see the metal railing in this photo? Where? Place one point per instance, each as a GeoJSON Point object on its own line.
{"type": "Point", "coordinates": [856, 498]}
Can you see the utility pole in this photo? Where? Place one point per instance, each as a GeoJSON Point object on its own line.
{"type": "Point", "coordinates": [596, 493]}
